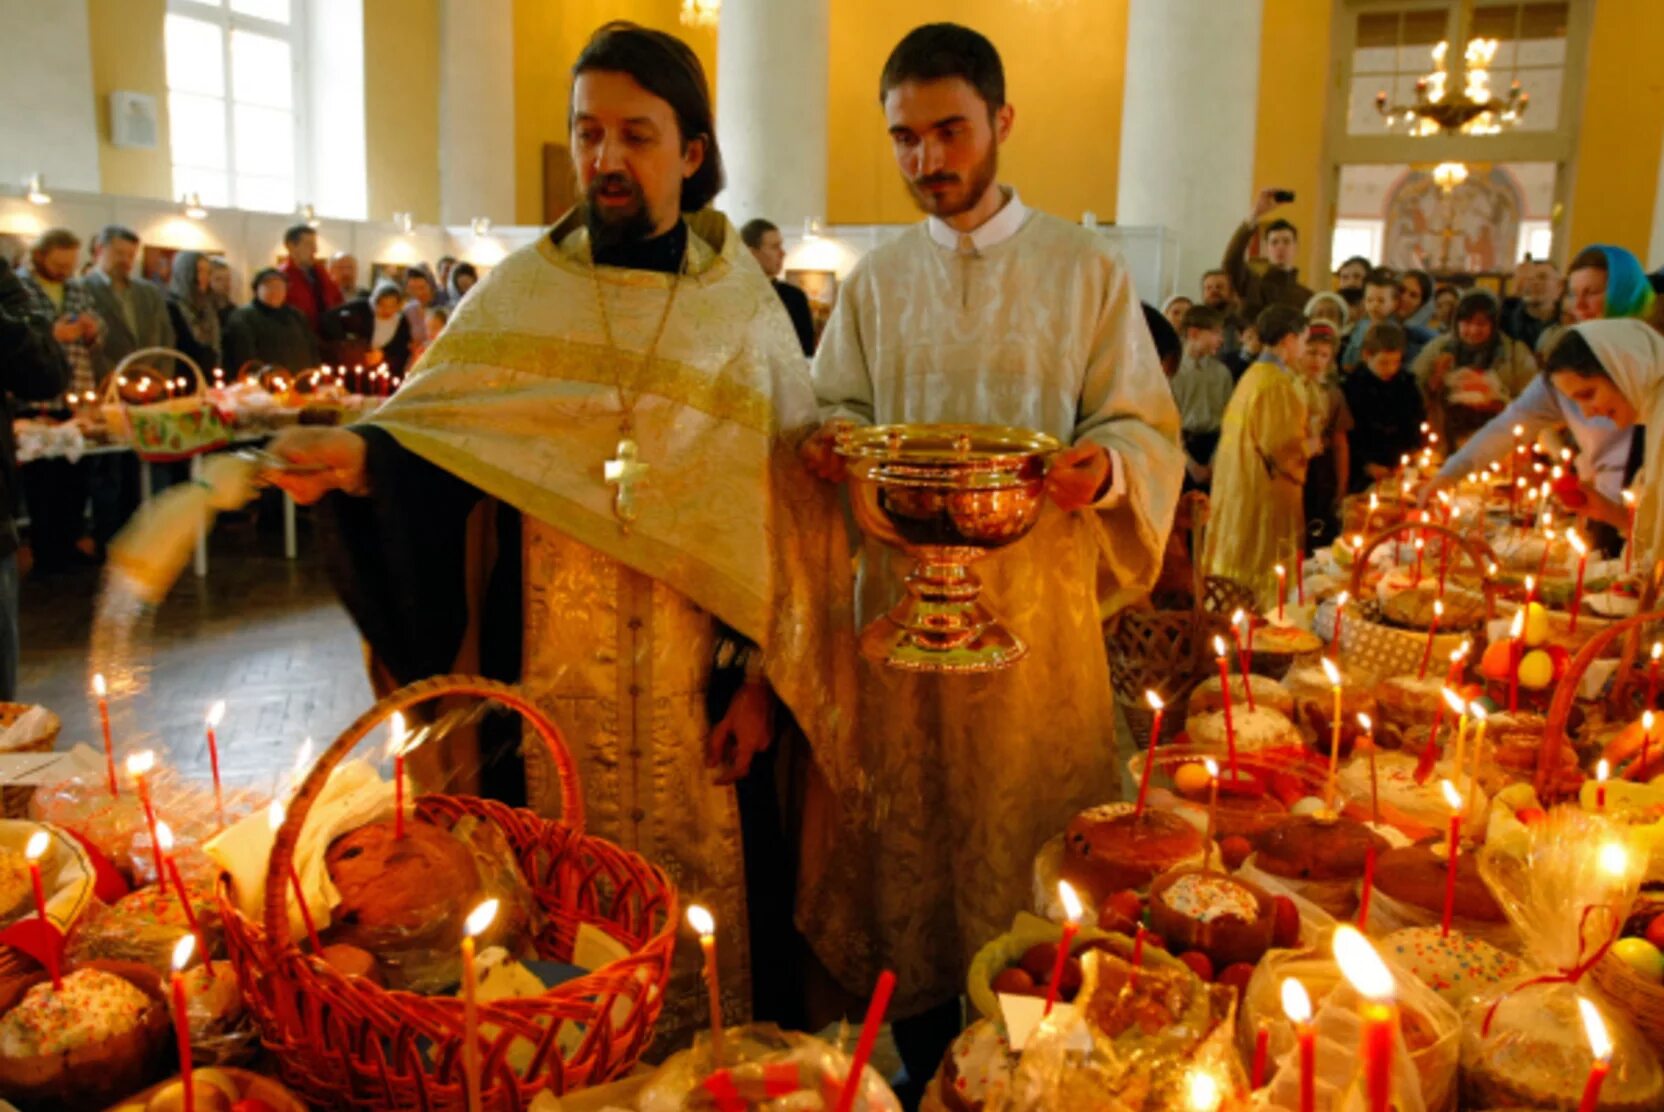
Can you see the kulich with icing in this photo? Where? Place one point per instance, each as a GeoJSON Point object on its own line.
{"type": "Point", "coordinates": [1107, 849]}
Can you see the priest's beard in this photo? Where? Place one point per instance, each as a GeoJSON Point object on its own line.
{"type": "Point", "coordinates": [953, 202]}
{"type": "Point", "coordinates": [616, 225]}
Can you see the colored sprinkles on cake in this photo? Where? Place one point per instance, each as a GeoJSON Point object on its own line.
{"type": "Point", "coordinates": [1208, 899]}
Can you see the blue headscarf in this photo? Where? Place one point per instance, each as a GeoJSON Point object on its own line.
{"type": "Point", "coordinates": [1628, 293]}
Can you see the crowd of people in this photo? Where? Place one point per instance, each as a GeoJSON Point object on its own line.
{"type": "Point", "coordinates": [1357, 374]}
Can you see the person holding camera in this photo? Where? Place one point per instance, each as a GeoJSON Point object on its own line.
{"type": "Point", "coordinates": [1279, 282]}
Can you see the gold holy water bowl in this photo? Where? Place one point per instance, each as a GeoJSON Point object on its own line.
{"type": "Point", "coordinates": [946, 495]}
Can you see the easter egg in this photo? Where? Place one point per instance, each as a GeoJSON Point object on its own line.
{"type": "Point", "coordinates": [1310, 805]}
{"type": "Point", "coordinates": [1536, 669]}
{"type": "Point", "coordinates": [1191, 779]}
{"type": "Point", "coordinates": [1494, 664]}
{"type": "Point", "coordinates": [1536, 624]}
{"type": "Point", "coordinates": [1641, 956]}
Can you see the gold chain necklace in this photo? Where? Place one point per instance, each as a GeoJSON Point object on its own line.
{"type": "Point", "coordinates": [624, 471]}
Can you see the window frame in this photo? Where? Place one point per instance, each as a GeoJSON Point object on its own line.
{"type": "Point", "coordinates": [294, 33]}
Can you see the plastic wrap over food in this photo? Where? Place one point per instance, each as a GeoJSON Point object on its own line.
{"type": "Point", "coordinates": [1526, 1043]}
{"type": "Point", "coordinates": [764, 1069]}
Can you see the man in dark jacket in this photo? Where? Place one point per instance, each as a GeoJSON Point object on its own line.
{"type": "Point", "coordinates": [32, 368]}
{"type": "Point", "coordinates": [267, 330]}
{"type": "Point", "coordinates": [1279, 283]}
{"type": "Point", "coordinates": [763, 238]}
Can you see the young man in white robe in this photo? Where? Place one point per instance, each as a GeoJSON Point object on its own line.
{"type": "Point", "coordinates": [987, 312]}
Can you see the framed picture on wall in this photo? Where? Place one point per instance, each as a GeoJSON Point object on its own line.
{"type": "Point", "coordinates": [820, 285]}
{"type": "Point", "coordinates": [389, 272]}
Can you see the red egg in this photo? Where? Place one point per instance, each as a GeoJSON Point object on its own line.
{"type": "Point", "coordinates": [1655, 931]}
{"type": "Point", "coordinates": [1014, 981]}
{"type": "Point", "coordinates": [1069, 983]}
{"type": "Point", "coordinates": [1285, 932]}
{"type": "Point", "coordinates": [1154, 940]}
{"type": "Point", "coordinates": [1129, 903]}
{"type": "Point", "coordinates": [1237, 976]}
{"type": "Point", "coordinates": [1287, 788]}
{"type": "Point", "coordinates": [1235, 850]}
{"type": "Point", "coordinates": [1111, 919]}
{"type": "Point", "coordinates": [1200, 964]}
{"type": "Point", "coordinates": [1530, 815]}
{"type": "Point", "coordinates": [1038, 961]}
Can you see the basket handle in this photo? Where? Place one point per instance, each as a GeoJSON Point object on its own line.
{"type": "Point", "coordinates": [1560, 707]}
{"type": "Point", "coordinates": [112, 392]}
{"type": "Point", "coordinates": [436, 687]}
{"type": "Point", "coordinates": [1479, 554]}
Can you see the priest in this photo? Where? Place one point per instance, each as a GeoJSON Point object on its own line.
{"type": "Point", "coordinates": [987, 312]}
{"type": "Point", "coordinates": [590, 486]}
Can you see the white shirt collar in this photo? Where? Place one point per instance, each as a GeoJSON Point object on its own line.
{"type": "Point", "coordinates": [996, 230]}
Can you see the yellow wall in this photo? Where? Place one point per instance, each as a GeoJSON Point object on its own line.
{"type": "Point", "coordinates": [1615, 182]}
{"type": "Point", "coordinates": [1288, 133]}
{"type": "Point", "coordinates": [401, 108]}
{"type": "Point", "coordinates": [127, 54]}
{"type": "Point", "coordinates": [1066, 143]}
{"type": "Point", "coordinates": [547, 38]}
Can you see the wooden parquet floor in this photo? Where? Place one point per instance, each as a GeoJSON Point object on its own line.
{"type": "Point", "coordinates": [263, 633]}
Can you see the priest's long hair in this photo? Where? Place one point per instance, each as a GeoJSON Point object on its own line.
{"type": "Point", "coordinates": [665, 66]}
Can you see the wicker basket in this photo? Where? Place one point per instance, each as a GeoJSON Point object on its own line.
{"type": "Point", "coordinates": [1565, 693]}
{"type": "Point", "coordinates": [342, 1042]}
{"type": "Point", "coordinates": [1640, 998]}
{"type": "Point", "coordinates": [15, 800]}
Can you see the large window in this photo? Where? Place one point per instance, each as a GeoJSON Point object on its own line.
{"type": "Point", "coordinates": [235, 101]}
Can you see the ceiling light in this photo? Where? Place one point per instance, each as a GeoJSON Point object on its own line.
{"type": "Point", "coordinates": [404, 222]}
{"type": "Point", "coordinates": [481, 225]}
{"type": "Point", "coordinates": [193, 206]}
{"type": "Point", "coordinates": [308, 214]}
{"type": "Point", "coordinates": [37, 190]}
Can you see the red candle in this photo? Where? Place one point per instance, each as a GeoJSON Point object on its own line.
{"type": "Point", "coordinates": [215, 714]}
{"type": "Point", "coordinates": [1646, 744]}
{"type": "Point", "coordinates": [1530, 589]}
{"type": "Point", "coordinates": [1542, 564]}
{"type": "Point", "coordinates": [1421, 545]}
{"type": "Point", "coordinates": [1600, 1046]}
{"type": "Point", "coordinates": [478, 920]}
{"type": "Point", "coordinates": [1452, 847]}
{"type": "Point", "coordinates": [1516, 642]}
{"type": "Point", "coordinates": [1368, 886]}
{"type": "Point", "coordinates": [39, 842]}
{"type": "Point", "coordinates": [1603, 769]}
{"type": "Point", "coordinates": [1652, 671]}
{"type": "Point", "coordinates": [166, 842]}
{"type": "Point", "coordinates": [1225, 699]}
{"type": "Point", "coordinates": [1282, 591]}
{"type": "Point", "coordinates": [1370, 978]}
{"type": "Point", "coordinates": [1445, 548]}
{"type": "Point", "coordinates": [1297, 1005]}
{"type": "Point", "coordinates": [1432, 632]}
{"type": "Point", "coordinates": [1243, 640]}
{"type": "Point", "coordinates": [1629, 534]}
{"type": "Point", "coordinates": [1340, 612]}
{"type": "Point", "coordinates": [1213, 808]}
{"type": "Point", "coordinates": [182, 1019]}
{"type": "Point", "coordinates": [396, 746]}
{"type": "Point", "coordinates": [100, 690]}
{"type": "Point", "coordinates": [275, 817]}
{"type": "Point", "coordinates": [138, 764]}
{"type": "Point", "coordinates": [1514, 456]}
{"type": "Point", "coordinates": [1072, 912]}
{"type": "Point", "coordinates": [1369, 518]}
{"type": "Point", "coordinates": [1582, 565]}
{"type": "Point", "coordinates": [1150, 757]}
{"type": "Point", "coordinates": [1262, 1046]}
{"type": "Point", "coordinates": [870, 1026]}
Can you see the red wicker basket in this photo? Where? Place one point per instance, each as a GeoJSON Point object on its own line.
{"type": "Point", "coordinates": [343, 1042]}
{"type": "Point", "coordinates": [1620, 697]}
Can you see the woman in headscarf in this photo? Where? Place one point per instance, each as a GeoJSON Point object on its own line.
{"type": "Point", "coordinates": [462, 278]}
{"type": "Point", "coordinates": [1415, 300]}
{"type": "Point", "coordinates": [191, 309]}
{"type": "Point", "coordinates": [1614, 369]}
{"type": "Point", "coordinates": [1330, 307]}
{"type": "Point", "coordinates": [1468, 375]}
{"type": "Point", "coordinates": [1607, 282]}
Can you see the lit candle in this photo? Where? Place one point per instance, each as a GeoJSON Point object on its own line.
{"type": "Point", "coordinates": [1516, 645]}
{"type": "Point", "coordinates": [704, 925]}
{"type": "Point", "coordinates": [1542, 564]}
{"type": "Point", "coordinates": [138, 764]}
{"type": "Point", "coordinates": [1213, 806]}
{"type": "Point", "coordinates": [1530, 589]}
{"type": "Point", "coordinates": [39, 842]}
{"type": "Point", "coordinates": [1480, 715]}
{"type": "Point", "coordinates": [395, 746]}
{"type": "Point", "coordinates": [182, 1019]}
{"type": "Point", "coordinates": [1368, 734]}
{"type": "Point", "coordinates": [1600, 1046]}
{"type": "Point", "coordinates": [1603, 769]}
{"type": "Point", "coordinates": [215, 714]}
{"type": "Point", "coordinates": [1424, 766]}
{"type": "Point", "coordinates": [1519, 450]}
{"type": "Point", "coordinates": [1455, 703]}
{"type": "Point", "coordinates": [1333, 673]}
{"type": "Point", "coordinates": [1452, 847]}
{"type": "Point", "coordinates": [1340, 613]}
{"type": "Point", "coordinates": [1282, 591]}
{"type": "Point", "coordinates": [1432, 632]}
{"type": "Point", "coordinates": [1421, 545]}
{"type": "Point", "coordinates": [1646, 744]}
{"type": "Point", "coordinates": [1369, 518]}
{"type": "Point", "coordinates": [1202, 1091]}
{"type": "Point", "coordinates": [164, 836]}
{"type": "Point", "coordinates": [1071, 924]}
{"type": "Point", "coordinates": [1242, 625]}
{"type": "Point", "coordinates": [870, 1026]}
{"type": "Point", "coordinates": [478, 920]}
{"type": "Point", "coordinates": [1514, 498]}
{"type": "Point", "coordinates": [1225, 697]}
{"type": "Point", "coordinates": [274, 816]}
{"type": "Point", "coordinates": [1629, 534]}
{"type": "Point", "coordinates": [102, 692]}
{"type": "Point", "coordinates": [1150, 758]}
{"type": "Point", "coordinates": [1582, 550]}
{"type": "Point", "coordinates": [1297, 1005]}
{"type": "Point", "coordinates": [1652, 671]}
{"type": "Point", "coordinates": [1262, 1049]}
{"type": "Point", "coordinates": [1369, 977]}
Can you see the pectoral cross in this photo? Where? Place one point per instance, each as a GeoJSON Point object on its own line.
{"type": "Point", "coordinates": [624, 471]}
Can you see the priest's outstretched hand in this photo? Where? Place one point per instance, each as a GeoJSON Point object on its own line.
{"type": "Point", "coordinates": [746, 730]}
{"type": "Point", "coordinates": [820, 452]}
{"type": "Point", "coordinates": [1079, 476]}
{"type": "Point", "coordinates": [319, 460]}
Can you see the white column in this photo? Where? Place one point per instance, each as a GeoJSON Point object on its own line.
{"type": "Point", "coordinates": [771, 109]}
{"type": "Point", "coordinates": [1187, 126]}
{"type": "Point", "coordinates": [476, 111]}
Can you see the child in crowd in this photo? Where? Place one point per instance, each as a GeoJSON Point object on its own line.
{"type": "Point", "coordinates": [1386, 405]}
{"type": "Point", "coordinates": [1201, 388]}
{"type": "Point", "coordinates": [1330, 421]}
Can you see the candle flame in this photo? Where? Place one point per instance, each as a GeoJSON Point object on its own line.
{"type": "Point", "coordinates": [480, 918]}
{"type": "Point", "coordinates": [1603, 769]}
{"type": "Point", "coordinates": [1491, 568]}
{"type": "Point", "coordinates": [1071, 902]}
{"type": "Point", "coordinates": [1478, 711]}
{"type": "Point", "coordinates": [274, 814]}
{"type": "Point", "coordinates": [1517, 627]}
{"type": "Point", "coordinates": [1154, 700]}
{"type": "Point", "coordinates": [1614, 859]}
{"type": "Point", "coordinates": [1361, 965]}
{"type": "Point", "coordinates": [701, 921]}
{"type": "Point", "coordinates": [396, 734]}
{"type": "Point", "coordinates": [1646, 721]}
{"type": "Point", "coordinates": [1519, 430]}
{"type": "Point", "coordinates": [216, 714]}
{"type": "Point", "coordinates": [1461, 651]}
{"type": "Point", "coordinates": [141, 762]}
{"type": "Point", "coordinates": [1332, 672]}
{"type": "Point", "coordinates": [1281, 571]}
{"type": "Point", "coordinates": [98, 686]}
{"type": "Point", "coordinates": [1577, 542]}
{"type": "Point", "coordinates": [182, 951]}
{"type": "Point", "coordinates": [1451, 795]}
{"type": "Point", "coordinates": [1374, 501]}
{"type": "Point", "coordinates": [164, 837]}
{"type": "Point", "coordinates": [1297, 1005]}
{"type": "Point", "coordinates": [1420, 544]}
{"type": "Point", "coordinates": [1202, 1092]}
{"type": "Point", "coordinates": [1364, 722]}
{"type": "Point", "coordinates": [1438, 608]}
{"type": "Point", "coordinates": [1600, 1043]}
{"type": "Point", "coordinates": [1212, 766]}
{"type": "Point", "coordinates": [1218, 645]}
{"type": "Point", "coordinates": [1453, 700]}
{"type": "Point", "coordinates": [1657, 649]}
{"type": "Point", "coordinates": [38, 842]}
{"type": "Point", "coordinates": [1342, 599]}
{"type": "Point", "coordinates": [1629, 498]}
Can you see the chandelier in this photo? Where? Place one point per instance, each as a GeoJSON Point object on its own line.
{"type": "Point", "coordinates": [1475, 112]}
{"type": "Point", "coordinates": [1448, 175]}
{"type": "Point", "coordinates": [700, 13]}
